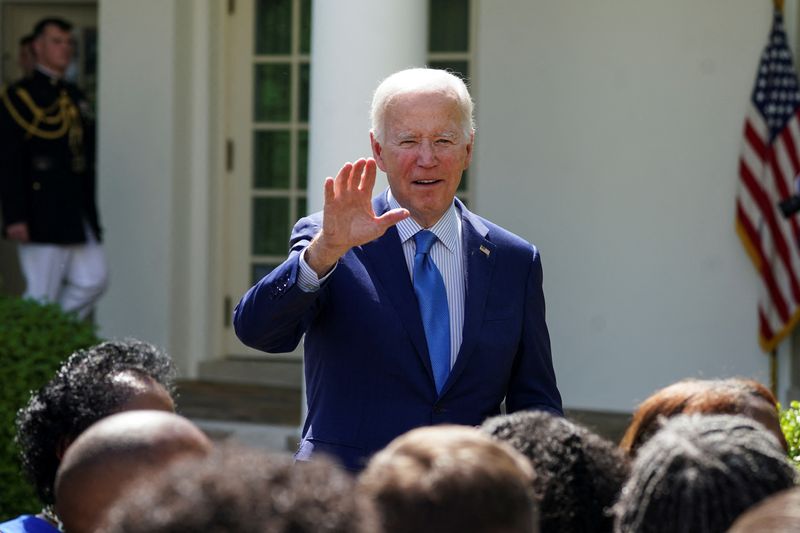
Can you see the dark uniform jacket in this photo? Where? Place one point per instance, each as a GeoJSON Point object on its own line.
{"type": "Point", "coordinates": [47, 176]}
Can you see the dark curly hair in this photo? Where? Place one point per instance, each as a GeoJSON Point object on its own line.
{"type": "Point", "coordinates": [578, 474]}
{"type": "Point", "coordinates": [699, 473]}
{"type": "Point", "coordinates": [83, 391]}
{"type": "Point", "coordinates": [248, 491]}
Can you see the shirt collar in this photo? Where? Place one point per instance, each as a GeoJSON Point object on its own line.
{"type": "Point", "coordinates": [447, 229]}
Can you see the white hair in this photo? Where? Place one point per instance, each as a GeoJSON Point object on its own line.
{"type": "Point", "coordinates": [421, 80]}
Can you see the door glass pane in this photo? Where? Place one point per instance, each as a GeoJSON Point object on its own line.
{"type": "Point", "coordinates": [259, 270]}
{"type": "Point", "coordinates": [305, 84]}
{"type": "Point", "coordinates": [271, 159]}
{"type": "Point", "coordinates": [305, 26]}
{"type": "Point", "coordinates": [302, 159]}
{"type": "Point", "coordinates": [302, 207]}
{"type": "Point", "coordinates": [270, 226]}
{"type": "Point", "coordinates": [272, 92]}
{"type": "Point", "coordinates": [448, 29]}
{"type": "Point", "coordinates": [459, 68]}
{"type": "Point", "coordinates": [273, 27]}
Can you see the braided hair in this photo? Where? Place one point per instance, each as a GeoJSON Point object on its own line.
{"type": "Point", "coordinates": [699, 472]}
{"type": "Point", "coordinates": [578, 474]}
{"type": "Point", "coordinates": [85, 389]}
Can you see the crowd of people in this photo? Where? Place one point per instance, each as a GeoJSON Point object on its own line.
{"type": "Point", "coordinates": [106, 452]}
{"type": "Point", "coordinates": [420, 321]}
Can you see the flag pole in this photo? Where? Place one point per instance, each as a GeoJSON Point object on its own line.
{"type": "Point", "coordinates": [773, 372]}
{"type": "Point", "coordinates": [778, 5]}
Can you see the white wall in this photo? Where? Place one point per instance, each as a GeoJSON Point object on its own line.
{"type": "Point", "coordinates": [608, 134]}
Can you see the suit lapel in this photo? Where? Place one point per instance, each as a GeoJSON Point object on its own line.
{"type": "Point", "coordinates": [479, 259]}
{"type": "Point", "coordinates": [388, 266]}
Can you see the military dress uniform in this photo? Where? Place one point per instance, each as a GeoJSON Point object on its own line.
{"type": "Point", "coordinates": [47, 181]}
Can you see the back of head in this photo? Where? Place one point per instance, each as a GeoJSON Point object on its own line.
{"type": "Point", "coordinates": [114, 454]}
{"type": "Point", "coordinates": [578, 474]}
{"type": "Point", "coordinates": [699, 472]}
{"type": "Point", "coordinates": [421, 80]}
{"type": "Point", "coordinates": [90, 385]}
{"type": "Point", "coordinates": [451, 479]}
{"type": "Point", "coordinates": [715, 396]}
{"type": "Point", "coordinates": [780, 513]}
{"type": "Point", "coordinates": [247, 491]}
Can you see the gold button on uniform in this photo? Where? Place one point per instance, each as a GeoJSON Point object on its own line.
{"type": "Point", "coordinates": [36, 185]}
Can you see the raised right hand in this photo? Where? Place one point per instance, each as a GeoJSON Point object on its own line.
{"type": "Point", "coordinates": [348, 219]}
{"type": "Point", "coordinates": [18, 232]}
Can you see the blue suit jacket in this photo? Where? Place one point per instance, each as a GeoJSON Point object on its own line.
{"type": "Point", "coordinates": [368, 373]}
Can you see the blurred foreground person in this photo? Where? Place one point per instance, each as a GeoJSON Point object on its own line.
{"type": "Point", "coordinates": [451, 479]}
{"type": "Point", "coordinates": [102, 380]}
{"type": "Point", "coordinates": [114, 455]}
{"type": "Point", "coordinates": [780, 513]}
{"type": "Point", "coordinates": [733, 396]}
{"type": "Point", "coordinates": [243, 490]}
{"type": "Point", "coordinates": [579, 474]}
{"type": "Point", "coordinates": [699, 473]}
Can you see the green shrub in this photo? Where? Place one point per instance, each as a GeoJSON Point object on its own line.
{"type": "Point", "coordinates": [790, 425]}
{"type": "Point", "coordinates": [34, 340]}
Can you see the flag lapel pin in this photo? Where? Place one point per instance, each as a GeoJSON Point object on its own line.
{"type": "Point", "coordinates": [485, 250]}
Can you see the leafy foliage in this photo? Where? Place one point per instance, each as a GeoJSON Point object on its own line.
{"type": "Point", "coordinates": [790, 425]}
{"type": "Point", "coordinates": [34, 340]}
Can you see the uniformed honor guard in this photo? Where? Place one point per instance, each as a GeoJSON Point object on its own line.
{"type": "Point", "coordinates": [47, 178]}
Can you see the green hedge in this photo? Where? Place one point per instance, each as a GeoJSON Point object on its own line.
{"type": "Point", "coordinates": [34, 340]}
{"type": "Point", "coordinates": [790, 424]}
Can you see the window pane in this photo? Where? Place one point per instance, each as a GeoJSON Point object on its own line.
{"type": "Point", "coordinates": [271, 159]}
{"type": "Point", "coordinates": [464, 185]}
{"type": "Point", "coordinates": [459, 68]}
{"type": "Point", "coordinates": [273, 26]}
{"type": "Point", "coordinates": [260, 270]}
{"type": "Point", "coordinates": [302, 207]}
{"type": "Point", "coordinates": [272, 93]}
{"type": "Point", "coordinates": [448, 29]}
{"type": "Point", "coordinates": [270, 226]}
{"type": "Point", "coordinates": [302, 159]}
{"type": "Point", "coordinates": [305, 26]}
{"type": "Point", "coordinates": [305, 84]}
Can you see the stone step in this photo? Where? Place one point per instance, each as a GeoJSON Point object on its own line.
{"type": "Point", "coordinates": [239, 402]}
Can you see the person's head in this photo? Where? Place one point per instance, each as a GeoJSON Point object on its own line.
{"type": "Point", "coordinates": [780, 513]}
{"type": "Point", "coordinates": [26, 59]}
{"type": "Point", "coordinates": [113, 455]}
{"type": "Point", "coordinates": [698, 473]}
{"type": "Point", "coordinates": [247, 491]}
{"type": "Point", "coordinates": [52, 43]}
{"type": "Point", "coordinates": [451, 479]}
{"type": "Point", "coordinates": [105, 379]}
{"type": "Point", "coordinates": [715, 396]}
{"type": "Point", "coordinates": [422, 134]}
{"type": "Point", "coordinates": [578, 473]}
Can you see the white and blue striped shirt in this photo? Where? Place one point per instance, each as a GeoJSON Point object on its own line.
{"type": "Point", "coordinates": [446, 253]}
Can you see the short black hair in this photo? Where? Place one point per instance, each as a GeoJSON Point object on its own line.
{"type": "Point", "coordinates": [578, 474]}
{"type": "Point", "coordinates": [58, 22]}
{"type": "Point", "coordinates": [25, 40]}
{"type": "Point", "coordinates": [247, 491]}
{"type": "Point", "coordinates": [699, 473]}
{"type": "Point", "coordinates": [82, 392]}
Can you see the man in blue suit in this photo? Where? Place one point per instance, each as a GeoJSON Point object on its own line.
{"type": "Point", "coordinates": [402, 330]}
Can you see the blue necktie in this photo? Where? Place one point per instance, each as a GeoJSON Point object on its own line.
{"type": "Point", "coordinates": [432, 299]}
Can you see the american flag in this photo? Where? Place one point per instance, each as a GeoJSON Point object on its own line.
{"type": "Point", "coordinates": [768, 165]}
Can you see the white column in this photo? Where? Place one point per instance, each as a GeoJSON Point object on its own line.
{"type": "Point", "coordinates": [354, 45]}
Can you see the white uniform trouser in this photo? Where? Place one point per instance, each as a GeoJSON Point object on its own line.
{"type": "Point", "coordinates": [73, 276]}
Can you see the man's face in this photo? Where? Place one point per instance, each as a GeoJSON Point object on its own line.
{"type": "Point", "coordinates": [423, 152]}
{"type": "Point", "coordinates": [54, 48]}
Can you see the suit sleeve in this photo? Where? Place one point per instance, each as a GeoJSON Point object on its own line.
{"type": "Point", "coordinates": [275, 313]}
{"type": "Point", "coordinates": [13, 180]}
{"type": "Point", "coordinates": [533, 379]}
